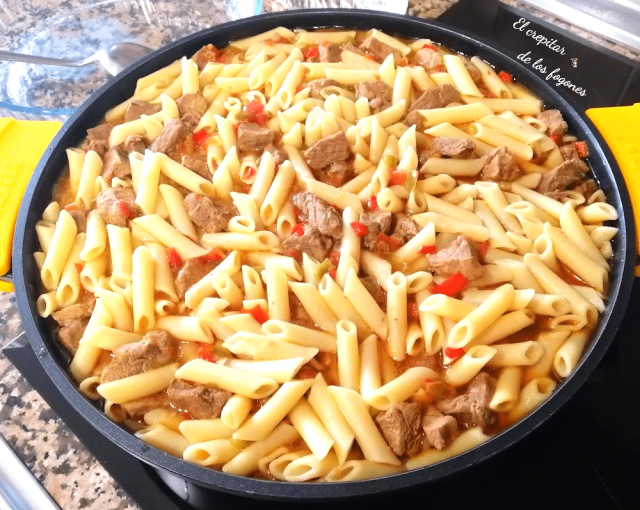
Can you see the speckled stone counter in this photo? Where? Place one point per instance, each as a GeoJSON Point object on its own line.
{"type": "Point", "coordinates": [60, 462]}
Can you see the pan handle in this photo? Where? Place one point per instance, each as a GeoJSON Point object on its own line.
{"type": "Point", "coordinates": [619, 126]}
{"type": "Point", "coordinates": [22, 143]}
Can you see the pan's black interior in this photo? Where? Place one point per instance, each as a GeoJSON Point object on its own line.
{"type": "Point", "coordinates": [38, 195]}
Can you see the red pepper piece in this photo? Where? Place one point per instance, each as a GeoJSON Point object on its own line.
{"type": "Point", "coordinates": [482, 248]}
{"type": "Point", "coordinates": [372, 203]}
{"type": "Point", "coordinates": [205, 352]}
{"type": "Point", "coordinates": [79, 266]}
{"type": "Point", "coordinates": [311, 52]}
{"type": "Point", "coordinates": [257, 313]}
{"type": "Point", "coordinates": [398, 177]}
{"type": "Point", "coordinates": [430, 47]}
{"type": "Point", "coordinates": [439, 69]}
{"type": "Point", "coordinates": [174, 260]}
{"type": "Point", "coordinates": [456, 283]}
{"type": "Point", "coordinates": [582, 149]}
{"type": "Point", "coordinates": [186, 415]}
{"type": "Point", "coordinates": [359, 228]}
{"type": "Point", "coordinates": [428, 249]}
{"type": "Point", "coordinates": [391, 243]}
{"type": "Point", "coordinates": [334, 257]}
{"type": "Point", "coordinates": [332, 273]}
{"type": "Point", "coordinates": [453, 353]}
{"type": "Point", "coordinates": [250, 172]}
{"type": "Point", "coordinates": [200, 137]}
{"type": "Point", "coordinates": [557, 139]}
{"type": "Point", "coordinates": [505, 77]}
{"type": "Point", "coordinates": [298, 230]}
{"type": "Point", "coordinates": [293, 253]}
{"type": "Point", "coordinates": [254, 107]}
{"type": "Point", "coordinates": [71, 207]}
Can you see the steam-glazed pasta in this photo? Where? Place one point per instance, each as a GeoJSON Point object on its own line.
{"type": "Point", "coordinates": [311, 241]}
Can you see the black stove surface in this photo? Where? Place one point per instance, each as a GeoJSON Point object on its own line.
{"type": "Point", "coordinates": [586, 456]}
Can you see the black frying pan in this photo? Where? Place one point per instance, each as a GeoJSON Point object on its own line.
{"type": "Point", "coordinates": [39, 193]}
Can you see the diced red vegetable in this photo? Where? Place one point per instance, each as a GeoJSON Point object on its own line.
{"type": "Point", "coordinates": [453, 285]}
{"type": "Point", "coordinates": [123, 208]}
{"type": "Point", "coordinates": [174, 260]}
{"type": "Point", "coordinates": [205, 352]}
{"type": "Point", "coordinates": [439, 69]}
{"type": "Point", "coordinates": [402, 61]}
{"type": "Point", "coordinates": [372, 203]}
{"type": "Point", "coordinates": [428, 250]}
{"type": "Point", "coordinates": [505, 77]}
{"type": "Point", "coordinates": [293, 253]}
{"type": "Point", "coordinates": [359, 228]}
{"type": "Point", "coordinates": [311, 52]}
{"type": "Point", "coordinates": [334, 257]}
{"type": "Point", "coordinates": [250, 173]}
{"type": "Point", "coordinates": [390, 242]}
{"type": "Point", "coordinates": [213, 255]}
{"type": "Point", "coordinates": [430, 47]}
{"type": "Point", "coordinates": [332, 273]}
{"type": "Point", "coordinates": [186, 415]}
{"type": "Point", "coordinates": [306, 373]}
{"type": "Point", "coordinates": [398, 177]}
{"type": "Point", "coordinates": [298, 230]}
{"type": "Point", "coordinates": [257, 313]}
{"type": "Point", "coordinates": [71, 207]}
{"type": "Point", "coordinates": [221, 58]}
{"type": "Point", "coordinates": [485, 92]}
{"type": "Point", "coordinates": [236, 126]}
{"type": "Point", "coordinates": [260, 119]}
{"type": "Point", "coordinates": [412, 310]}
{"type": "Point", "coordinates": [557, 139]}
{"type": "Point", "coordinates": [582, 149]}
{"type": "Point", "coordinates": [482, 248]}
{"type": "Point", "coordinates": [79, 266]}
{"type": "Point", "coordinates": [199, 137]}
{"type": "Point", "coordinates": [254, 107]}
{"type": "Point", "coordinates": [296, 211]}
{"type": "Point", "coordinates": [453, 353]}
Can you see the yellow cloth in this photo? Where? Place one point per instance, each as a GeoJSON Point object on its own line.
{"type": "Point", "coordinates": [22, 143]}
{"type": "Point", "coordinates": [620, 127]}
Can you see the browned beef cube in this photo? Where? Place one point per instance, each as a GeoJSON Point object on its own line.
{"type": "Point", "coordinates": [438, 97]}
{"type": "Point", "coordinates": [439, 429]}
{"type": "Point", "coordinates": [472, 408]}
{"type": "Point", "coordinates": [459, 256]}
{"type": "Point", "coordinates": [319, 84]}
{"type": "Point", "coordinates": [69, 314]}
{"type": "Point", "coordinates": [98, 139]}
{"type": "Point", "coordinates": [454, 147]}
{"type": "Point", "coordinates": [197, 163]}
{"type": "Point", "coordinates": [554, 121]}
{"type": "Point", "coordinates": [329, 53]}
{"type": "Point", "coordinates": [586, 189]}
{"type": "Point", "coordinates": [157, 348]}
{"type": "Point", "coordinates": [561, 178]}
{"type": "Point", "coordinates": [116, 164]}
{"type": "Point", "coordinates": [400, 426]}
{"type": "Point", "coordinates": [378, 104]}
{"type": "Point", "coordinates": [279, 156]}
{"type": "Point", "coordinates": [135, 143]}
{"type": "Point", "coordinates": [320, 215]}
{"type": "Point", "coordinates": [252, 137]}
{"type": "Point", "coordinates": [210, 214]}
{"type": "Point", "coordinates": [329, 150]}
{"type": "Point", "coordinates": [373, 287]}
{"type": "Point", "coordinates": [173, 133]}
{"type": "Point", "coordinates": [377, 222]}
{"type": "Point", "coordinates": [311, 242]}
{"type": "Point", "coordinates": [336, 175]}
{"type": "Point", "coordinates": [428, 58]}
{"type": "Point", "coordinates": [204, 55]}
{"type": "Point", "coordinates": [422, 360]}
{"type": "Point", "coordinates": [474, 72]}
{"type": "Point", "coordinates": [569, 151]}
{"type": "Point", "coordinates": [379, 49]}
{"type": "Point", "coordinates": [141, 406]}
{"type": "Point", "coordinates": [189, 274]}
{"type": "Point", "coordinates": [373, 89]}
{"type": "Point", "coordinates": [500, 166]}
{"type": "Point", "coordinates": [192, 104]}
{"type": "Point", "coordinates": [405, 228]}
{"type": "Point", "coordinates": [71, 334]}
{"type": "Point", "coordinates": [138, 108]}
{"type": "Point", "coordinates": [414, 118]}
{"type": "Point", "coordinates": [117, 205]}
{"type": "Point", "coordinates": [80, 217]}
{"type": "Point", "coordinates": [198, 400]}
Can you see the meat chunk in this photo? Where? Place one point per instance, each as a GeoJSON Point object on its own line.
{"type": "Point", "coordinates": [377, 222]}
{"type": "Point", "coordinates": [554, 121]}
{"type": "Point", "coordinates": [141, 406]}
{"type": "Point", "coordinates": [336, 175]}
{"type": "Point", "coordinates": [252, 137]}
{"type": "Point", "coordinates": [414, 118]}
{"type": "Point", "coordinates": [459, 256]}
{"type": "Point", "coordinates": [569, 151]}
{"type": "Point", "coordinates": [299, 315]}
{"type": "Point", "coordinates": [197, 163]}
{"type": "Point", "coordinates": [116, 164]}
{"type": "Point", "coordinates": [320, 215]}
{"type": "Point", "coordinates": [405, 228]}
{"type": "Point", "coordinates": [279, 156]}
{"type": "Point", "coordinates": [71, 334]}
{"type": "Point", "coordinates": [98, 139]}
{"type": "Point", "coordinates": [329, 150]}
{"type": "Point", "coordinates": [373, 89]}
{"type": "Point", "coordinates": [193, 104]}
{"type": "Point", "coordinates": [189, 274]}
{"type": "Point", "coordinates": [210, 214]}
{"type": "Point", "coordinates": [312, 242]}
{"type": "Point", "coordinates": [500, 166]}
{"type": "Point", "coordinates": [117, 205]}
{"type": "Point", "coordinates": [474, 72]}
{"type": "Point", "coordinates": [472, 408]}
{"type": "Point", "coordinates": [204, 55]}
{"type": "Point", "coordinates": [198, 400]}
{"type": "Point", "coordinates": [438, 428]}
{"type": "Point", "coordinates": [373, 287]}
{"type": "Point", "coordinates": [157, 348]}
{"type": "Point", "coordinates": [438, 97]}
{"type": "Point", "coordinates": [329, 53]}
{"type": "Point", "coordinates": [80, 217]}
{"type": "Point", "coordinates": [69, 314]}
{"type": "Point", "coordinates": [319, 84]}
{"type": "Point", "coordinates": [454, 147]}
{"type": "Point", "coordinates": [429, 59]}
{"type": "Point", "coordinates": [379, 49]}
{"type": "Point", "coordinates": [378, 104]}
{"type": "Point", "coordinates": [138, 108]}
{"type": "Point", "coordinates": [400, 426]}
{"type": "Point", "coordinates": [586, 188]}
{"type": "Point", "coordinates": [561, 178]}
{"type": "Point", "coordinates": [173, 133]}
{"type": "Point", "coordinates": [135, 143]}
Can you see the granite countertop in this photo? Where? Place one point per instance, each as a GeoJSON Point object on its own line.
{"type": "Point", "coordinates": [60, 462]}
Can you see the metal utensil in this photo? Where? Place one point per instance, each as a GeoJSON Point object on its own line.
{"type": "Point", "coordinates": [114, 59]}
